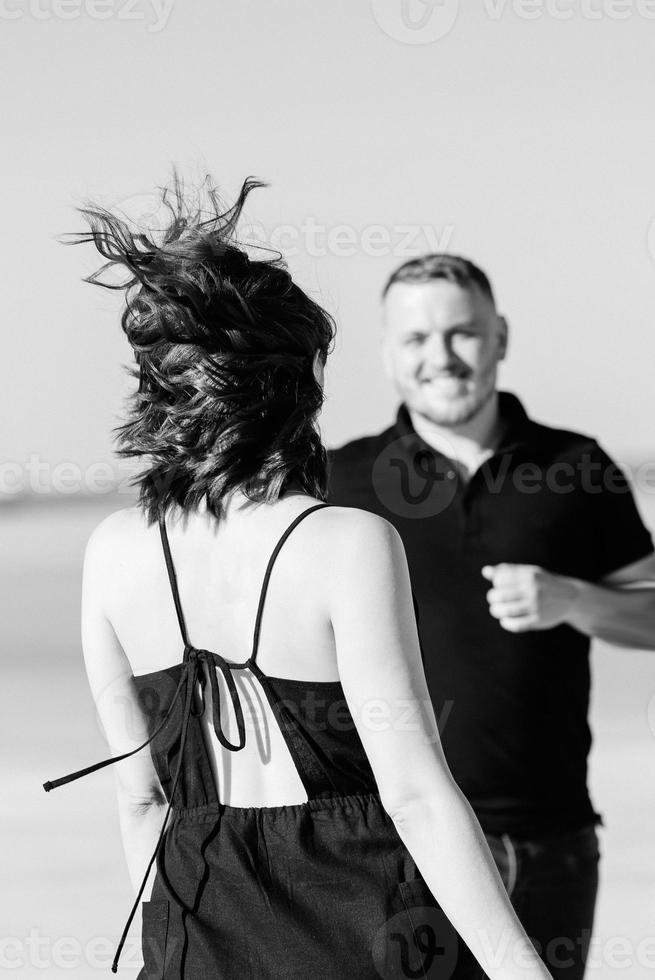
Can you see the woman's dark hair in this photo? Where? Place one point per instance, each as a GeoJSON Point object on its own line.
{"type": "Point", "coordinates": [224, 345]}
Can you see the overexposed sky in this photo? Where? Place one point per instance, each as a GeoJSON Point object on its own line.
{"type": "Point", "coordinates": [519, 134]}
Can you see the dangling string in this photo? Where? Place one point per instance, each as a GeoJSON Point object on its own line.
{"type": "Point", "coordinates": [53, 783]}
{"type": "Point", "coordinates": [190, 678]}
{"type": "Point", "coordinates": [192, 663]}
{"type": "Point", "coordinates": [186, 681]}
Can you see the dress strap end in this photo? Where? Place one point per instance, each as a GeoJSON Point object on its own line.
{"type": "Point", "coordinates": [51, 784]}
{"type": "Point", "coordinates": [54, 783]}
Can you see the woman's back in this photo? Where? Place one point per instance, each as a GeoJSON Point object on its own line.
{"type": "Point", "coordinates": [219, 572]}
{"type": "Point", "coordinates": [280, 855]}
{"type": "Point", "coordinates": [220, 569]}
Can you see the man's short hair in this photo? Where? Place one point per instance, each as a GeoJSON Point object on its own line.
{"type": "Point", "coordinates": [440, 265]}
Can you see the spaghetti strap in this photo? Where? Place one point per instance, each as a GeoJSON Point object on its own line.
{"type": "Point", "coordinates": [269, 568]}
{"type": "Point", "coordinates": [267, 575]}
{"type": "Point", "coordinates": [172, 577]}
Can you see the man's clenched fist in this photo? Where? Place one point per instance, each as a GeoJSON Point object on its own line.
{"type": "Point", "coordinates": [527, 597]}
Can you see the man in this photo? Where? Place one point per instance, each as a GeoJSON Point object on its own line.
{"type": "Point", "coordinates": [523, 542]}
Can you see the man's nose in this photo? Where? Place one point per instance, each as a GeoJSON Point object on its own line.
{"type": "Point", "coordinates": [438, 351]}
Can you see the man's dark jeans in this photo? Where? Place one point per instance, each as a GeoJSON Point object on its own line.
{"type": "Point", "coordinates": [552, 882]}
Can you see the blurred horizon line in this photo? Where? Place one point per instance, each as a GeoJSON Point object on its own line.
{"type": "Point", "coordinates": [122, 490]}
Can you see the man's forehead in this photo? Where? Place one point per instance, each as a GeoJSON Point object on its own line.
{"type": "Point", "coordinates": [438, 301]}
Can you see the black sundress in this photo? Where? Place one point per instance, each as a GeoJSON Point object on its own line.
{"type": "Point", "coordinates": [320, 890]}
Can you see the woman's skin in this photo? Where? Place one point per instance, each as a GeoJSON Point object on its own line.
{"type": "Point", "coordinates": [339, 606]}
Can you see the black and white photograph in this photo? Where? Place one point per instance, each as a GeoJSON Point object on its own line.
{"type": "Point", "coordinates": [327, 490]}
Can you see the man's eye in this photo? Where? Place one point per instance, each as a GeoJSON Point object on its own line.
{"type": "Point", "coordinates": [415, 338]}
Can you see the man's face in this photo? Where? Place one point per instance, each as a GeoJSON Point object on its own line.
{"type": "Point", "coordinates": [442, 344]}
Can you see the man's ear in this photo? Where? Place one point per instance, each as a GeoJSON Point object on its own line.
{"type": "Point", "coordinates": [503, 337]}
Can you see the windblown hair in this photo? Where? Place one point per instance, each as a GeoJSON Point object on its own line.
{"type": "Point", "coordinates": [224, 347]}
{"type": "Point", "coordinates": [441, 265]}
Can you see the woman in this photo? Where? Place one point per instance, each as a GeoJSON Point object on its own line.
{"type": "Point", "coordinates": [314, 823]}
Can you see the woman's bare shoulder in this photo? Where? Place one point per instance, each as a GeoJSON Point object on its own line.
{"type": "Point", "coordinates": [114, 531]}
{"type": "Point", "coordinates": [354, 518]}
{"type": "Point", "coordinates": [355, 533]}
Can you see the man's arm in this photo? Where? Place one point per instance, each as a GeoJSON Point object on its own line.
{"type": "Point", "coordinates": [619, 609]}
{"type": "Point", "coordinates": [617, 604]}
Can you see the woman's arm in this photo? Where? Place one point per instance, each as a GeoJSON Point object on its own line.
{"type": "Point", "coordinates": [141, 802]}
{"type": "Point", "coordinates": [384, 682]}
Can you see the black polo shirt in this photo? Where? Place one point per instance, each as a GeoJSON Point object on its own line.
{"type": "Point", "coordinates": [511, 707]}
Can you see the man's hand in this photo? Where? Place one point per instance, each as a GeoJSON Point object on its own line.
{"type": "Point", "coordinates": [527, 597]}
{"type": "Point", "coordinates": [619, 610]}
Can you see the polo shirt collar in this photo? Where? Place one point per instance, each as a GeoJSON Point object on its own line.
{"type": "Point", "coordinates": [515, 433]}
